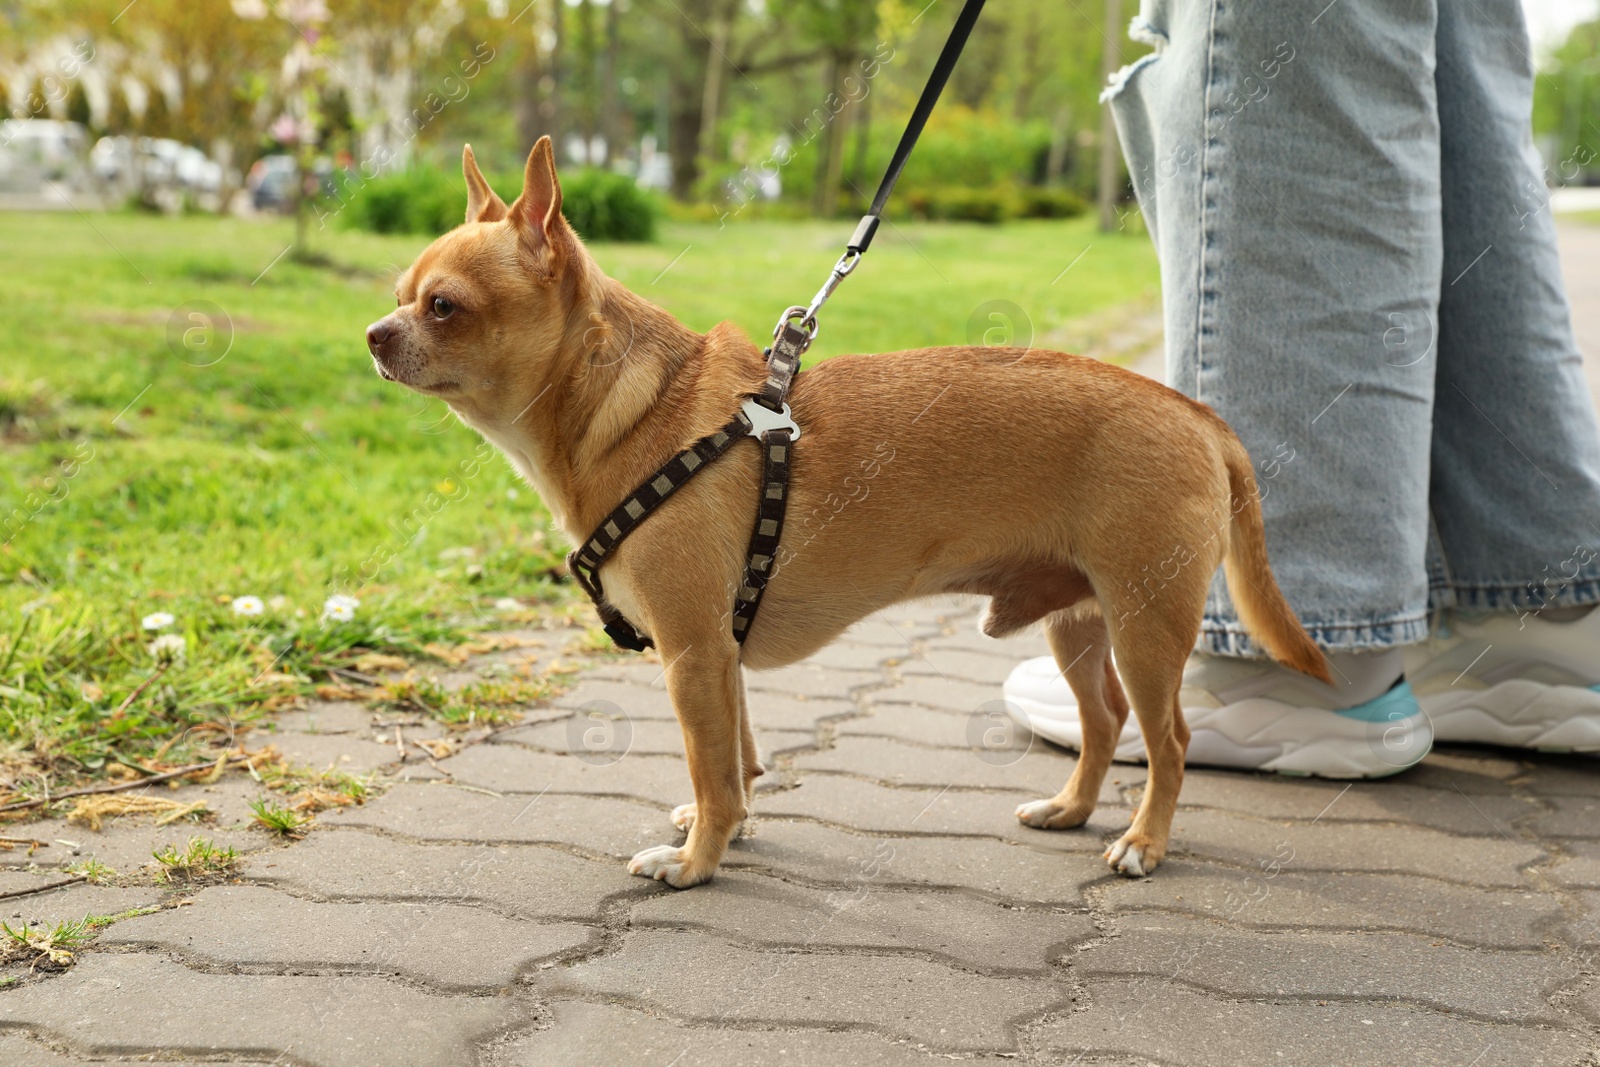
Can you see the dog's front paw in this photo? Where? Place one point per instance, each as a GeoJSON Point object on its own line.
{"type": "Point", "coordinates": [683, 817]}
{"type": "Point", "coordinates": [1051, 815]}
{"type": "Point", "coordinates": [667, 863]}
{"type": "Point", "coordinates": [1133, 856]}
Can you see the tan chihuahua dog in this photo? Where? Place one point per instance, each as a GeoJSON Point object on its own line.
{"type": "Point", "coordinates": [1050, 483]}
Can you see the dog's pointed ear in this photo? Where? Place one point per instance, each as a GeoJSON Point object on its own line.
{"type": "Point", "coordinates": [537, 212]}
{"type": "Point", "coordinates": [483, 205]}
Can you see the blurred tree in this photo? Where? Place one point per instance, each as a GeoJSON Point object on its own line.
{"type": "Point", "coordinates": [78, 104]}
{"type": "Point", "coordinates": [119, 115]}
{"type": "Point", "coordinates": [1566, 106]}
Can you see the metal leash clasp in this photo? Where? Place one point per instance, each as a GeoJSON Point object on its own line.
{"type": "Point", "coordinates": [807, 316]}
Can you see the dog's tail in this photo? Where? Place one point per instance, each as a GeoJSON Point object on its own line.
{"type": "Point", "coordinates": [1254, 590]}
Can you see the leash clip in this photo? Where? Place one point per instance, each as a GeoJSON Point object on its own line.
{"type": "Point", "coordinates": [763, 419]}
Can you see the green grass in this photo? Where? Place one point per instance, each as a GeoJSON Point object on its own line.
{"type": "Point", "coordinates": [197, 859]}
{"type": "Point", "coordinates": [279, 820]}
{"type": "Point", "coordinates": [141, 476]}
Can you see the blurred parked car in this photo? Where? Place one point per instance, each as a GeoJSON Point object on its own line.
{"type": "Point", "coordinates": [271, 181]}
{"type": "Point", "coordinates": [35, 150]}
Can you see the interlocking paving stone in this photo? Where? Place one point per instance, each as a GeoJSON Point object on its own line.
{"type": "Point", "coordinates": [970, 932]}
{"type": "Point", "coordinates": [697, 976]}
{"type": "Point", "coordinates": [114, 1003]}
{"type": "Point", "coordinates": [930, 727]}
{"type": "Point", "coordinates": [854, 656]}
{"type": "Point", "coordinates": [266, 928]}
{"type": "Point", "coordinates": [1578, 866]}
{"type": "Point", "coordinates": [1158, 1022]}
{"type": "Point", "coordinates": [527, 881]}
{"type": "Point", "coordinates": [517, 770]}
{"type": "Point", "coordinates": [1584, 930]}
{"type": "Point", "coordinates": [1569, 816]}
{"type": "Point", "coordinates": [449, 813]}
{"type": "Point", "coordinates": [71, 903]}
{"type": "Point", "coordinates": [779, 711]}
{"type": "Point", "coordinates": [964, 636]}
{"type": "Point", "coordinates": [770, 711]}
{"type": "Point", "coordinates": [894, 635]}
{"type": "Point", "coordinates": [602, 1035]}
{"type": "Point", "coordinates": [866, 805]}
{"type": "Point", "coordinates": [18, 1051]}
{"type": "Point", "coordinates": [1388, 800]}
{"type": "Point", "coordinates": [1381, 966]}
{"type": "Point", "coordinates": [639, 700]}
{"type": "Point", "coordinates": [324, 717]}
{"type": "Point", "coordinates": [809, 680]}
{"type": "Point", "coordinates": [647, 737]}
{"type": "Point", "coordinates": [950, 694]}
{"type": "Point", "coordinates": [1471, 770]}
{"type": "Point", "coordinates": [1496, 918]}
{"type": "Point", "coordinates": [1552, 775]}
{"type": "Point", "coordinates": [1256, 844]}
{"type": "Point", "coordinates": [125, 844]}
{"type": "Point", "coordinates": [982, 668]}
{"type": "Point", "coordinates": [352, 753]}
{"type": "Point", "coordinates": [813, 852]}
{"type": "Point", "coordinates": [1033, 770]}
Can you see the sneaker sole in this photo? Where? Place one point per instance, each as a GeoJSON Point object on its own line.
{"type": "Point", "coordinates": [1263, 735]}
{"type": "Point", "coordinates": [1518, 714]}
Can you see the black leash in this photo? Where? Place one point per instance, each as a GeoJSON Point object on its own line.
{"type": "Point", "coordinates": [765, 415]}
{"type": "Point", "coordinates": [919, 118]}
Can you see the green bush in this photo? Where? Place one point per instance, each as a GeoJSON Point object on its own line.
{"type": "Point", "coordinates": [600, 205]}
{"type": "Point", "coordinates": [990, 204]}
{"type": "Point", "coordinates": [419, 199]}
{"type": "Point", "coordinates": [1051, 202]}
{"type": "Point", "coordinates": [603, 206]}
{"type": "Point", "coordinates": [993, 203]}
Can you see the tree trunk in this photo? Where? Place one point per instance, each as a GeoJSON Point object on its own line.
{"type": "Point", "coordinates": [589, 58]}
{"type": "Point", "coordinates": [858, 165]}
{"type": "Point", "coordinates": [1110, 177]}
{"type": "Point", "coordinates": [830, 144]}
{"type": "Point", "coordinates": [530, 94]}
{"type": "Point", "coordinates": [711, 90]}
{"type": "Point", "coordinates": [551, 110]}
{"type": "Point", "coordinates": [1060, 139]}
{"type": "Point", "coordinates": [610, 127]}
{"type": "Point", "coordinates": [688, 96]}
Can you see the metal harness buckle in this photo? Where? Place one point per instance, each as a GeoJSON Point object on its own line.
{"type": "Point", "coordinates": [763, 418]}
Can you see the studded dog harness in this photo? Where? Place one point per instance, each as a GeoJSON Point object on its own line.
{"type": "Point", "coordinates": [764, 416]}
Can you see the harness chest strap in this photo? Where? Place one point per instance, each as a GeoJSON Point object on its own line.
{"type": "Point", "coordinates": [776, 439]}
{"type": "Point", "coordinates": [585, 561]}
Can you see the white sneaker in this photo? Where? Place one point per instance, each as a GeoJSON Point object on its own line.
{"type": "Point", "coordinates": [1257, 715]}
{"type": "Point", "coordinates": [1500, 678]}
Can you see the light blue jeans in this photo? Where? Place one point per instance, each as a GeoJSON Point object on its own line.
{"type": "Point", "coordinates": [1359, 273]}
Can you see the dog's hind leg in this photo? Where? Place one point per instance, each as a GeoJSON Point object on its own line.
{"type": "Point", "coordinates": [1152, 647]}
{"type": "Point", "coordinates": [705, 685]}
{"type": "Point", "coordinates": [1082, 649]}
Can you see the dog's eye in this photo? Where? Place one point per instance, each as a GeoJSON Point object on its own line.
{"type": "Point", "coordinates": [442, 308]}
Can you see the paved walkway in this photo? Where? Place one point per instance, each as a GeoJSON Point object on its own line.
{"type": "Point", "coordinates": [886, 909]}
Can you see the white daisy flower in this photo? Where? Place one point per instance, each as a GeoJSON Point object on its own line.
{"type": "Point", "coordinates": [340, 608]}
{"type": "Point", "coordinates": [157, 620]}
{"type": "Point", "coordinates": [168, 647]}
{"type": "Point", "coordinates": [278, 603]}
{"type": "Point", "coordinates": [248, 605]}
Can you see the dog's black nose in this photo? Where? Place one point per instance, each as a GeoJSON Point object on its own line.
{"type": "Point", "coordinates": [377, 335]}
